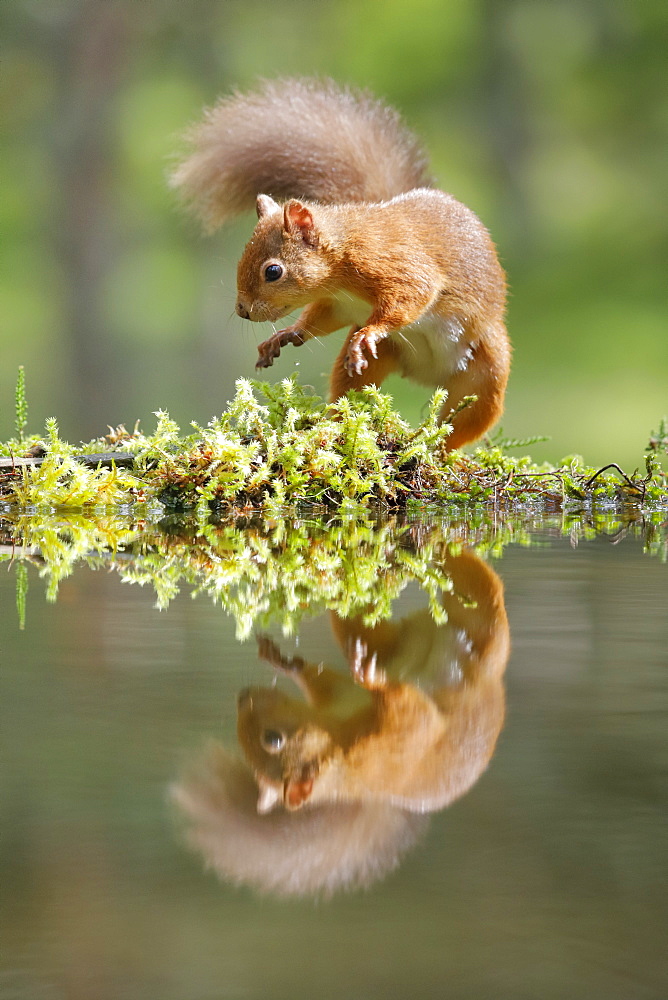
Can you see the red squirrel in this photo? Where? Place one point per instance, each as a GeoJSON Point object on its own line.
{"type": "Point", "coordinates": [363, 240]}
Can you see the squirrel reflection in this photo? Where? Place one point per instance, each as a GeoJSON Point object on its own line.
{"type": "Point", "coordinates": [343, 774]}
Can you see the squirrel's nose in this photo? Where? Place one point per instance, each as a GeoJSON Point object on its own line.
{"type": "Point", "coordinates": [242, 311]}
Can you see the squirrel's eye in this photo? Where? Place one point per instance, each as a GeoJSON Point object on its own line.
{"type": "Point", "coordinates": [272, 740]}
{"type": "Point", "coordinates": [273, 272]}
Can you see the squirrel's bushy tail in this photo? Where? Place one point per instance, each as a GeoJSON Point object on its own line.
{"type": "Point", "coordinates": [297, 138]}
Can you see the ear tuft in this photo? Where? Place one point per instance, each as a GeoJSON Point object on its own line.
{"type": "Point", "coordinates": [298, 221]}
{"type": "Point", "coordinates": [265, 205]}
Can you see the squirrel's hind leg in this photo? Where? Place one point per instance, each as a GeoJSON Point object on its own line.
{"type": "Point", "coordinates": [485, 378]}
{"type": "Point", "coordinates": [377, 370]}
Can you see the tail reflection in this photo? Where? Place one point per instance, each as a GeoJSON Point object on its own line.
{"type": "Point", "coordinates": [341, 778]}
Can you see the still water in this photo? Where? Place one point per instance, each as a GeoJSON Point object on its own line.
{"type": "Point", "coordinates": [273, 789]}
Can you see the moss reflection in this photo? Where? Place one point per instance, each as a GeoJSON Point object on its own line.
{"type": "Point", "coordinates": [265, 571]}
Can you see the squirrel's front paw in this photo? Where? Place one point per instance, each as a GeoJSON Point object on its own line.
{"type": "Point", "coordinates": [355, 361]}
{"type": "Point", "coordinates": [269, 651]}
{"type": "Point", "coordinates": [270, 349]}
{"type": "Point", "coordinates": [267, 648]}
{"type": "Point", "coordinates": [359, 342]}
{"type": "Point", "coordinates": [364, 666]}
{"type": "Point", "coordinates": [267, 352]}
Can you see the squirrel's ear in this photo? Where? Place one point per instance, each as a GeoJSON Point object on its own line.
{"type": "Point", "coordinates": [298, 220]}
{"type": "Point", "coordinates": [270, 796]}
{"type": "Point", "coordinates": [266, 206]}
{"type": "Point", "coordinates": [296, 793]}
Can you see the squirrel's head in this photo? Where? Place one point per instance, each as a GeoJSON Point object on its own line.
{"type": "Point", "coordinates": [283, 266]}
{"type": "Point", "coordinates": [284, 744]}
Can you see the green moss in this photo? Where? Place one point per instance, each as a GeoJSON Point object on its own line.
{"type": "Point", "coordinates": [21, 404]}
{"type": "Point", "coordinates": [291, 450]}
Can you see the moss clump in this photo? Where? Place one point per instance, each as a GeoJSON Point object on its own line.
{"type": "Point", "coordinates": [292, 450]}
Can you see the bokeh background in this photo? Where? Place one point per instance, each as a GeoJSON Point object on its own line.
{"type": "Point", "coordinates": [548, 117]}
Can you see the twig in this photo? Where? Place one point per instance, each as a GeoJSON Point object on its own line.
{"type": "Point", "coordinates": [121, 459]}
{"type": "Point", "coordinates": [612, 465]}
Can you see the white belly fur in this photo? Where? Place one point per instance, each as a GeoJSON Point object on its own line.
{"type": "Point", "coordinates": [431, 349]}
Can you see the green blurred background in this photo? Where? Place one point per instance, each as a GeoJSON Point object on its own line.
{"type": "Point", "coordinates": [548, 117]}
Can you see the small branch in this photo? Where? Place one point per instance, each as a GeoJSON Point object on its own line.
{"type": "Point", "coordinates": [105, 459]}
{"type": "Point", "coordinates": [612, 465]}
